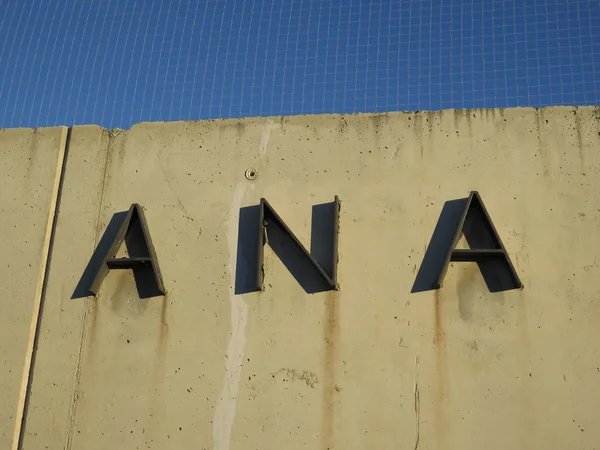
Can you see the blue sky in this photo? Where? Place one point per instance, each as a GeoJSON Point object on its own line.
{"type": "Point", "coordinates": [119, 62]}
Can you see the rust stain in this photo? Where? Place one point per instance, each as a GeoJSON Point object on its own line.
{"type": "Point", "coordinates": [468, 291]}
{"type": "Point", "coordinates": [440, 347]}
{"type": "Point", "coordinates": [579, 139]}
{"type": "Point", "coordinates": [432, 116]}
{"type": "Point", "coordinates": [502, 120]}
{"type": "Point", "coordinates": [119, 298]}
{"type": "Point", "coordinates": [418, 130]}
{"type": "Point", "coordinates": [527, 419]}
{"type": "Point", "coordinates": [240, 128]}
{"type": "Point", "coordinates": [160, 361]}
{"type": "Point", "coordinates": [456, 116]}
{"type": "Point", "coordinates": [163, 337]}
{"type": "Point", "coordinates": [439, 325]}
{"type": "Point", "coordinates": [164, 324]}
{"type": "Point", "coordinates": [547, 163]}
{"type": "Point", "coordinates": [342, 125]}
{"type": "Point", "coordinates": [545, 157]}
{"type": "Point", "coordinates": [331, 331]}
{"type": "Point", "coordinates": [155, 407]}
{"type": "Point", "coordinates": [467, 115]}
{"type": "Point", "coordinates": [441, 369]}
{"type": "Point", "coordinates": [378, 120]}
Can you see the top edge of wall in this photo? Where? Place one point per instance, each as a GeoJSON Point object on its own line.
{"type": "Point", "coordinates": [414, 113]}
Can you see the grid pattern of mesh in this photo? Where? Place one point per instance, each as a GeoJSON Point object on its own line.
{"type": "Point", "coordinates": [119, 62]}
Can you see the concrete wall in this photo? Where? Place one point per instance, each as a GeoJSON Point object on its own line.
{"type": "Point", "coordinates": [31, 162]}
{"type": "Point", "coordinates": [369, 366]}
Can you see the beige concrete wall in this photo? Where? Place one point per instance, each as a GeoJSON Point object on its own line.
{"type": "Point", "coordinates": [30, 164]}
{"type": "Point", "coordinates": [369, 366]}
{"type": "Point", "coordinates": [62, 334]}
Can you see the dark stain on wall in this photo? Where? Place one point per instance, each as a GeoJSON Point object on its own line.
{"type": "Point", "coordinates": [579, 136]}
{"type": "Point", "coordinates": [467, 291]}
{"type": "Point", "coordinates": [378, 120]}
{"type": "Point", "coordinates": [456, 116]}
{"type": "Point", "coordinates": [502, 121]}
{"type": "Point", "coordinates": [342, 124]}
{"type": "Point", "coordinates": [240, 128]}
{"type": "Point", "coordinates": [331, 333]}
{"type": "Point", "coordinates": [541, 148]}
{"type": "Point", "coordinates": [162, 343]}
{"type": "Point", "coordinates": [441, 368]}
{"type": "Point", "coordinates": [120, 299]}
{"type": "Point", "coordinates": [438, 337]}
{"type": "Point", "coordinates": [467, 115]}
{"type": "Point", "coordinates": [418, 131]}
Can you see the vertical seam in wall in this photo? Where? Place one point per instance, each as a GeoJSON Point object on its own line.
{"type": "Point", "coordinates": [86, 308]}
{"type": "Point", "coordinates": [40, 290]}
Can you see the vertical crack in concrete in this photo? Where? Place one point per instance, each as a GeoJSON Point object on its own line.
{"type": "Point", "coordinates": [417, 405]}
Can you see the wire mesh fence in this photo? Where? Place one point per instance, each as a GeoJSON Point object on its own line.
{"type": "Point", "coordinates": [119, 62]}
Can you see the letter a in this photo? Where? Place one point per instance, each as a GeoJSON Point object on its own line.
{"type": "Point", "coordinates": [486, 248]}
{"type": "Point", "coordinates": [134, 231]}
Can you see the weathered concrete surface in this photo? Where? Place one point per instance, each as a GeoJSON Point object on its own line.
{"type": "Point", "coordinates": [65, 321]}
{"type": "Point", "coordinates": [370, 366]}
{"type": "Point", "coordinates": [28, 170]}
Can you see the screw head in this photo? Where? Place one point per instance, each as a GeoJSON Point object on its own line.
{"type": "Point", "coordinates": [252, 173]}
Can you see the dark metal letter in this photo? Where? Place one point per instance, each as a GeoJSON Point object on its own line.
{"type": "Point", "coordinates": [269, 218]}
{"type": "Point", "coordinates": [486, 249]}
{"type": "Point", "coordinates": [134, 226]}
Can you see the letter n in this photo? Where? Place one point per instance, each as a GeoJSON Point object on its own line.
{"type": "Point", "coordinates": [141, 255]}
{"type": "Point", "coordinates": [316, 271]}
{"type": "Point", "coordinates": [486, 248]}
